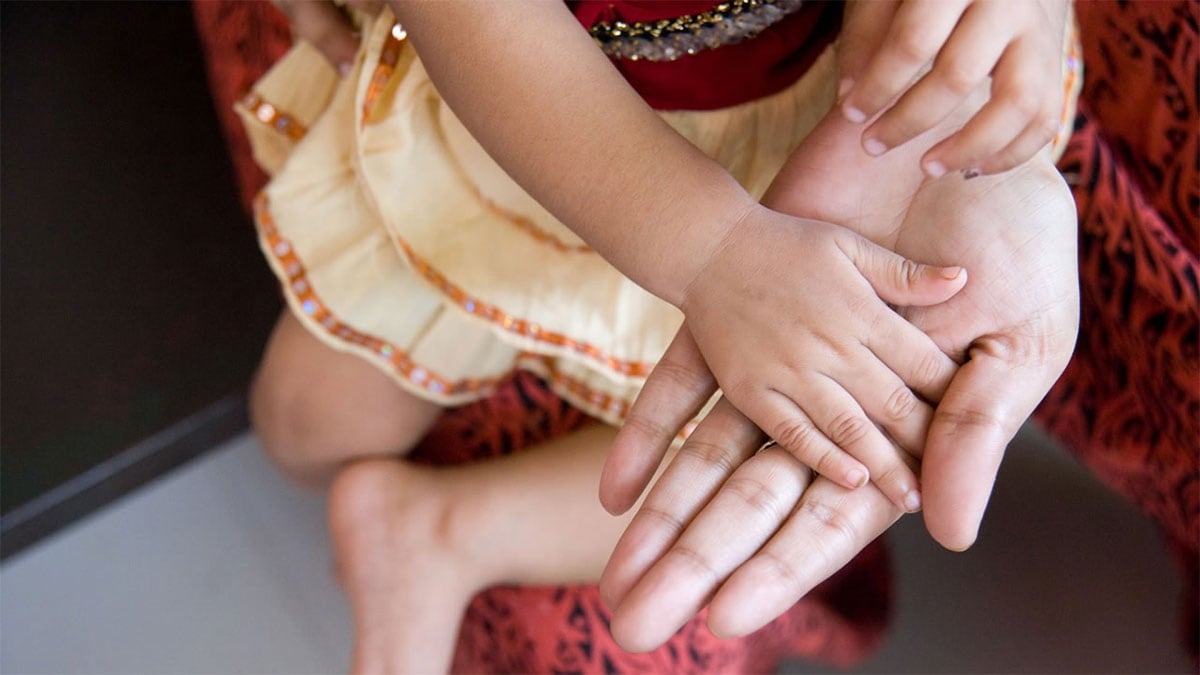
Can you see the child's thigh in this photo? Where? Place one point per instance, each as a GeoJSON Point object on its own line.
{"type": "Point", "coordinates": [311, 400]}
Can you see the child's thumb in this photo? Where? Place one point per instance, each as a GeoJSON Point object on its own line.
{"type": "Point", "coordinates": [903, 282]}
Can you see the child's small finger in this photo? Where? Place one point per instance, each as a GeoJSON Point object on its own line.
{"type": "Point", "coordinates": [917, 32]}
{"type": "Point", "coordinates": [911, 355]}
{"type": "Point", "coordinates": [864, 23]}
{"type": "Point", "coordinates": [1040, 133]}
{"type": "Point", "coordinates": [1019, 94]}
{"type": "Point", "coordinates": [890, 402]}
{"type": "Point", "coordinates": [794, 430]}
{"type": "Point", "coordinates": [324, 26]}
{"type": "Point", "coordinates": [842, 420]}
{"type": "Point", "coordinates": [962, 65]}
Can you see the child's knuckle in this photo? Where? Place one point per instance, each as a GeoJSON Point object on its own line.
{"type": "Point", "coordinates": [847, 429]}
{"type": "Point", "coordinates": [798, 436]}
{"type": "Point", "coordinates": [900, 404]}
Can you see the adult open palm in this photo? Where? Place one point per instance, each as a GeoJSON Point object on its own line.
{"type": "Point", "coordinates": [753, 544]}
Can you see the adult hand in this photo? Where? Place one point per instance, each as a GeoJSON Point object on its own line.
{"type": "Point", "coordinates": [1016, 321]}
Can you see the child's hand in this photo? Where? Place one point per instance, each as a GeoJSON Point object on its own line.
{"type": "Point", "coordinates": [886, 47]}
{"type": "Point", "coordinates": [791, 317]}
{"type": "Point", "coordinates": [325, 26]}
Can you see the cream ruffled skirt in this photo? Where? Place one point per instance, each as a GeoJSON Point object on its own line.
{"type": "Point", "coordinates": [397, 238]}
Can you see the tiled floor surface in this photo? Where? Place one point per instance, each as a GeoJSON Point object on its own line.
{"type": "Point", "coordinates": [223, 568]}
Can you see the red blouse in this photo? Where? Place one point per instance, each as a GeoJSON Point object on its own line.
{"type": "Point", "coordinates": [727, 75]}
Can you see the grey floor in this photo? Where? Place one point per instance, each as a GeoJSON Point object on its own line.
{"type": "Point", "coordinates": [223, 568]}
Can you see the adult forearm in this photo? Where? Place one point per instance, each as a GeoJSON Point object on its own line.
{"type": "Point", "coordinates": [531, 87]}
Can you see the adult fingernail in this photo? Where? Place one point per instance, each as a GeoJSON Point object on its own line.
{"type": "Point", "coordinates": [874, 147]}
{"type": "Point", "coordinates": [345, 68]}
{"type": "Point", "coordinates": [912, 501]}
{"type": "Point", "coordinates": [854, 114]}
{"type": "Point", "coordinates": [856, 478]}
{"type": "Point", "coordinates": [935, 169]}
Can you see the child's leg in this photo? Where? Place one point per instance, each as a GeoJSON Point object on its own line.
{"type": "Point", "coordinates": [414, 544]}
{"type": "Point", "coordinates": [314, 408]}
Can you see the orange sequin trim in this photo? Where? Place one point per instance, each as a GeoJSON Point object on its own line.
{"type": "Point", "coordinates": [389, 56]}
{"type": "Point", "coordinates": [273, 117]}
{"type": "Point", "coordinates": [514, 324]}
{"type": "Point", "coordinates": [402, 364]}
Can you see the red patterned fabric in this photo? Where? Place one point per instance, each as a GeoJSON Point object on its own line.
{"type": "Point", "coordinates": [1128, 404]}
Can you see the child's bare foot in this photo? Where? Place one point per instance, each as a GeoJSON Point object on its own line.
{"type": "Point", "coordinates": [401, 564]}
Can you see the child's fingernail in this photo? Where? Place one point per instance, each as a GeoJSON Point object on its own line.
{"type": "Point", "coordinates": [968, 174]}
{"type": "Point", "coordinates": [844, 87]}
{"type": "Point", "coordinates": [345, 68]}
{"type": "Point", "coordinates": [912, 501]}
{"type": "Point", "coordinates": [856, 478]}
{"type": "Point", "coordinates": [874, 147]}
{"type": "Point", "coordinates": [951, 272]}
{"type": "Point", "coordinates": [854, 114]}
{"type": "Point", "coordinates": [935, 169]}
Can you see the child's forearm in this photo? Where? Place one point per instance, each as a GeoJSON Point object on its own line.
{"type": "Point", "coordinates": [531, 87]}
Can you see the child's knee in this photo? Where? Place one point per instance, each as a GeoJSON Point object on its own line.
{"type": "Point", "coordinates": [309, 431]}
{"type": "Point", "coordinates": [288, 424]}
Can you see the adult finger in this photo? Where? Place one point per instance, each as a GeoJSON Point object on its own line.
{"type": "Point", "coordinates": [917, 31]}
{"type": "Point", "coordinates": [746, 511]}
{"type": "Point", "coordinates": [323, 25]}
{"type": "Point", "coordinates": [720, 443]}
{"type": "Point", "coordinates": [829, 526]}
{"type": "Point", "coordinates": [676, 390]}
{"type": "Point", "coordinates": [984, 407]}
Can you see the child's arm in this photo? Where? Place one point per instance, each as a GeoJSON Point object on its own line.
{"type": "Point", "coordinates": [915, 61]}
{"type": "Point", "coordinates": [788, 311]}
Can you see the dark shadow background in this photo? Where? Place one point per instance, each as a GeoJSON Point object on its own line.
{"type": "Point", "coordinates": [133, 294]}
